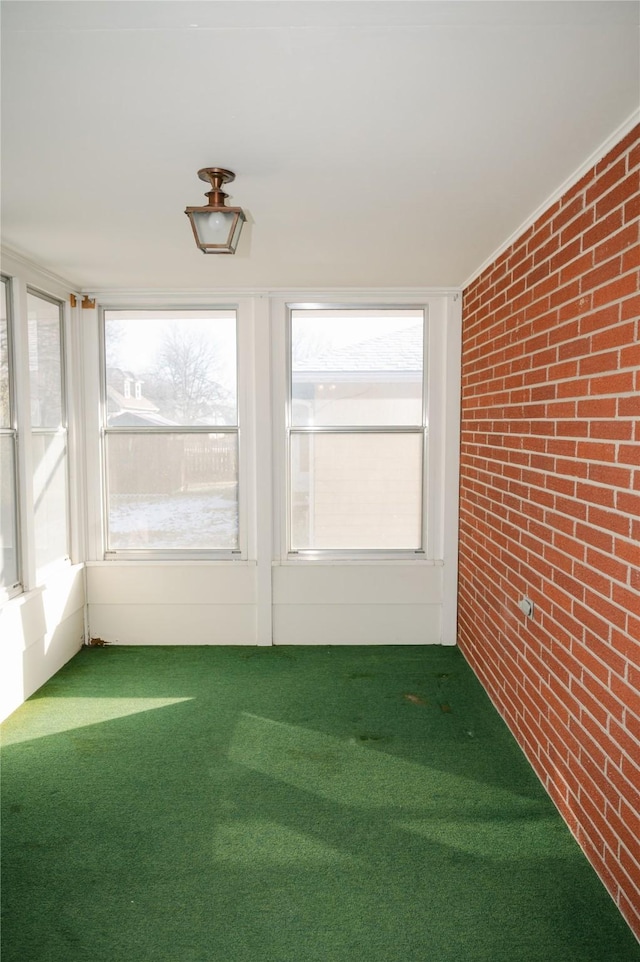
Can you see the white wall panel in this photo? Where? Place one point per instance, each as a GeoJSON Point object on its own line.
{"type": "Point", "coordinates": [63, 596]}
{"type": "Point", "coordinates": [398, 583]}
{"type": "Point", "coordinates": [173, 624]}
{"type": "Point", "coordinates": [39, 632]}
{"type": "Point", "coordinates": [357, 624]}
{"type": "Point", "coordinates": [43, 659]}
{"type": "Point", "coordinates": [183, 603]}
{"type": "Point", "coordinates": [162, 583]}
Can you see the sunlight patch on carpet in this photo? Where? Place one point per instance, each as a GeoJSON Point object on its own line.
{"type": "Point", "coordinates": [261, 842]}
{"type": "Point", "coordinates": [51, 716]}
{"type": "Point", "coordinates": [352, 773]}
{"type": "Point", "coordinates": [500, 841]}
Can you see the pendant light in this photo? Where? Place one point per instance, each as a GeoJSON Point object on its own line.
{"type": "Point", "coordinates": [216, 227]}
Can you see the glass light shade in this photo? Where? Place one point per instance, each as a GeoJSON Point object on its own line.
{"type": "Point", "coordinates": [216, 229]}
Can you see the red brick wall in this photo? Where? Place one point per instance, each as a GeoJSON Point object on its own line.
{"type": "Point", "coordinates": [550, 505]}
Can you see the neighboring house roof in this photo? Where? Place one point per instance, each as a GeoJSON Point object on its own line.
{"type": "Point", "coordinates": [400, 351]}
{"type": "Point", "coordinates": [122, 403]}
{"type": "Point", "coordinates": [131, 411]}
{"type": "Point", "coordinates": [127, 419]}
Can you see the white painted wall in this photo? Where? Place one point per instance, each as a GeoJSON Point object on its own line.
{"type": "Point", "coordinates": [40, 631]}
{"type": "Point", "coordinates": [195, 603]}
{"type": "Point", "coordinates": [42, 628]}
{"type": "Point", "coordinates": [172, 603]}
{"type": "Point", "coordinates": [398, 603]}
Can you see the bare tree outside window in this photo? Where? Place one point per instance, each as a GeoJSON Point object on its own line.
{"type": "Point", "coordinates": [185, 380]}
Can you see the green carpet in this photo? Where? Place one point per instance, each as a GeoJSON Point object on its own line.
{"type": "Point", "coordinates": [284, 805]}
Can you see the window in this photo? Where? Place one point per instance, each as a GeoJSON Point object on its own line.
{"type": "Point", "coordinates": [171, 445]}
{"type": "Point", "coordinates": [48, 430]}
{"type": "Point", "coordinates": [9, 545]}
{"type": "Point", "coordinates": [357, 430]}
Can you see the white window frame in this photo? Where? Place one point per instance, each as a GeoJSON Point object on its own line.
{"type": "Point", "coordinates": [436, 307]}
{"type": "Point", "coordinates": [23, 277]}
{"type": "Point", "coordinates": [17, 588]}
{"type": "Point", "coordinates": [43, 571]}
{"type": "Point", "coordinates": [243, 432]}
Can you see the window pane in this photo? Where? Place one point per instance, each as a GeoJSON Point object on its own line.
{"type": "Point", "coordinates": [49, 445]}
{"type": "Point", "coordinates": [170, 368]}
{"type": "Point", "coordinates": [8, 513]}
{"type": "Point", "coordinates": [356, 491]}
{"type": "Point", "coordinates": [172, 491]}
{"type": "Point", "coordinates": [5, 407]}
{"type": "Point", "coordinates": [356, 368]}
{"type": "Point", "coordinates": [45, 365]}
{"type": "Point", "coordinates": [50, 497]}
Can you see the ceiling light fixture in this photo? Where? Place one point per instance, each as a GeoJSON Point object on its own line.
{"type": "Point", "coordinates": [216, 227]}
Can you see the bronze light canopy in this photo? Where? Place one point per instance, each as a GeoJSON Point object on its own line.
{"type": "Point", "coordinates": [216, 227]}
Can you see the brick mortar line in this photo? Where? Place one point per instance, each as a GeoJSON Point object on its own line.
{"type": "Point", "coordinates": [478, 372]}
{"type": "Point", "coordinates": [576, 761]}
{"type": "Point", "coordinates": [577, 479]}
{"type": "Point", "coordinates": [579, 439]}
{"type": "Point", "coordinates": [517, 358]}
{"type": "Point", "coordinates": [582, 748]}
{"type": "Point", "coordinates": [486, 306]}
{"type": "Point", "coordinates": [513, 660]}
{"type": "Point", "coordinates": [606, 848]}
{"type": "Point", "coordinates": [635, 857]}
{"type": "Point", "coordinates": [548, 766]}
{"type": "Point", "coordinates": [558, 469]}
{"type": "Point", "coordinates": [502, 596]}
{"type": "Point", "coordinates": [608, 554]}
{"type": "Point", "coordinates": [506, 276]}
{"type": "Point", "coordinates": [515, 361]}
{"type": "Point", "coordinates": [583, 250]}
{"type": "Point", "coordinates": [470, 321]}
{"type": "Point", "coordinates": [551, 581]}
{"type": "Point", "coordinates": [578, 541]}
{"type": "Point", "coordinates": [467, 396]}
{"type": "Point", "coordinates": [619, 867]}
{"type": "Point", "coordinates": [565, 418]}
{"type": "Point", "coordinates": [545, 579]}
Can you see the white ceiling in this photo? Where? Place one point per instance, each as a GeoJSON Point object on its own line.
{"type": "Point", "coordinates": [386, 144]}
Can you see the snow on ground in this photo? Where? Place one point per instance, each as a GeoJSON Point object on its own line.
{"type": "Point", "coordinates": [189, 520]}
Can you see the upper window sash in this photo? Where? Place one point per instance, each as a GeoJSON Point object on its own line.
{"type": "Point", "coordinates": [46, 362]}
{"type": "Point", "coordinates": [170, 369]}
{"type": "Point", "coordinates": [47, 388]}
